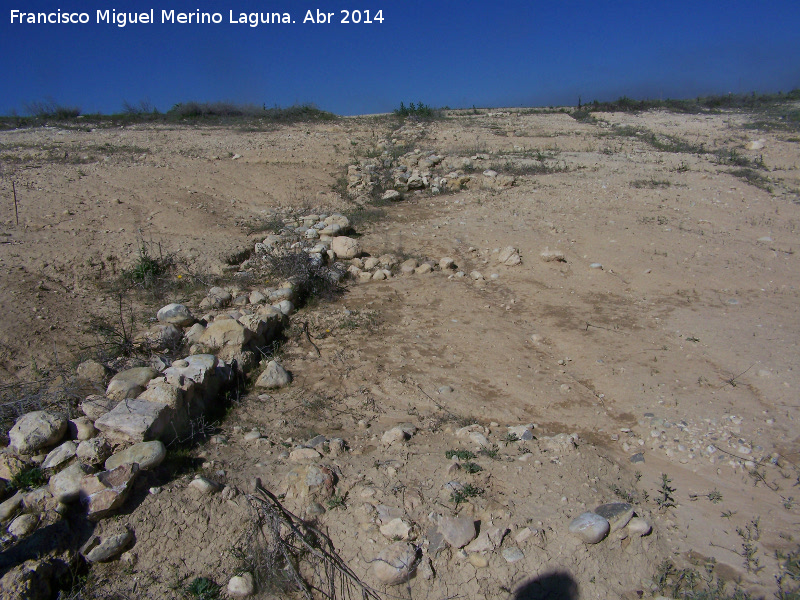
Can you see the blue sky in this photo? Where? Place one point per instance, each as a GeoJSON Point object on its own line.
{"type": "Point", "coordinates": [441, 52]}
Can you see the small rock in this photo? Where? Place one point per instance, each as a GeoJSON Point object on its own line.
{"type": "Point", "coordinates": [395, 564]}
{"type": "Point", "coordinates": [552, 256]}
{"type": "Point", "coordinates": [638, 526]}
{"type": "Point", "coordinates": [23, 525]}
{"type": "Point", "coordinates": [589, 527]}
{"type": "Point", "coordinates": [66, 484]}
{"type": "Point", "coordinates": [148, 455]}
{"type": "Point", "coordinates": [204, 486]}
{"type": "Point", "coordinates": [104, 492]}
{"type": "Point", "coordinates": [522, 432]}
{"type": "Point", "coordinates": [393, 436]}
{"type": "Point", "coordinates": [397, 529]}
{"type": "Point", "coordinates": [393, 195]}
{"type": "Point", "coordinates": [92, 371]}
{"type": "Point", "coordinates": [241, 586]}
{"type": "Point", "coordinates": [523, 534]}
{"type": "Point", "coordinates": [274, 376]}
{"type": "Point", "coordinates": [10, 465]}
{"type": "Point", "coordinates": [423, 269]}
{"type": "Point", "coordinates": [345, 247]}
{"type": "Point", "coordinates": [302, 454]}
{"type": "Point", "coordinates": [337, 446]}
{"type": "Point", "coordinates": [93, 451]}
{"type": "Point", "coordinates": [637, 458]}
{"type": "Point", "coordinates": [192, 335]}
{"type": "Point", "coordinates": [129, 383]}
{"type": "Point", "coordinates": [32, 580]}
{"type": "Point", "coordinates": [81, 429]}
{"type": "Point", "coordinates": [457, 531]}
{"type": "Point", "coordinates": [60, 455]}
{"type": "Point", "coordinates": [175, 314]}
{"type": "Point", "coordinates": [36, 430]}
{"type": "Point", "coordinates": [104, 549]}
{"type": "Point", "coordinates": [252, 435]}
{"type": "Point", "coordinates": [95, 406]}
{"type": "Point", "coordinates": [409, 266]}
{"type": "Point", "coordinates": [509, 256]}
{"type": "Point", "coordinates": [616, 513]}
{"type": "Point", "coordinates": [479, 439]}
{"type": "Point", "coordinates": [425, 569]}
{"type": "Point", "coordinates": [476, 275]}
{"type": "Point", "coordinates": [478, 561]}
{"type": "Point", "coordinates": [447, 263]}
{"type": "Point", "coordinates": [10, 507]}
{"type": "Point", "coordinates": [512, 554]}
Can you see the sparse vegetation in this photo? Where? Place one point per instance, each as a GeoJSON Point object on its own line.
{"type": "Point", "coordinates": [491, 452]}
{"type": "Point", "coordinates": [203, 588]}
{"type": "Point", "coordinates": [253, 116]}
{"type": "Point", "coordinates": [754, 178]}
{"type": "Point", "coordinates": [658, 141]}
{"type": "Point", "coordinates": [527, 167]}
{"type": "Point", "coordinates": [336, 501]}
{"type": "Point", "coordinates": [749, 535]}
{"type": "Point", "coordinates": [745, 102]}
{"type": "Point", "coordinates": [472, 468]}
{"type": "Point", "coordinates": [695, 584]}
{"type": "Point", "coordinates": [665, 499]}
{"type": "Point", "coordinates": [714, 496]}
{"type": "Point", "coordinates": [460, 454]}
{"type": "Point", "coordinates": [312, 280]}
{"type": "Point", "coordinates": [28, 479]}
{"type": "Point", "coordinates": [650, 183]}
{"type": "Point", "coordinates": [465, 493]}
{"type": "Point", "coordinates": [419, 111]}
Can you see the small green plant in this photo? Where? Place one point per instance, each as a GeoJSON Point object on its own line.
{"type": "Point", "coordinates": [419, 110]}
{"type": "Point", "coordinates": [714, 496]}
{"type": "Point", "coordinates": [727, 514]}
{"type": "Point", "coordinates": [313, 281]}
{"type": "Point", "coordinates": [490, 452]}
{"type": "Point", "coordinates": [665, 499]}
{"type": "Point", "coordinates": [510, 438]}
{"type": "Point", "coordinates": [788, 578]}
{"type": "Point", "coordinates": [472, 468]}
{"type": "Point", "coordinates": [147, 268]}
{"type": "Point", "coordinates": [337, 501]}
{"type": "Point", "coordinates": [750, 534]}
{"type": "Point", "coordinates": [629, 497]}
{"type": "Point", "coordinates": [460, 454]}
{"type": "Point", "coordinates": [650, 183]}
{"type": "Point", "coordinates": [465, 493]}
{"type": "Point", "coordinates": [28, 479]}
{"type": "Point", "coordinates": [271, 224]}
{"type": "Point", "coordinates": [204, 588]}
{"type": "Point", "coordinates": [754, 178]}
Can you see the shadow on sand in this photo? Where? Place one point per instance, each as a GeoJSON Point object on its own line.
{"type": "Point", "coordinates": [558, 585]}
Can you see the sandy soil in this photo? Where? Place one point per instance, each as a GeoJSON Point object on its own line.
{"type": "Point", "coordinates": [681, 346]}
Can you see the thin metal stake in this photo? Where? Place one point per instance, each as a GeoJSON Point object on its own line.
{"type": "Point", "coordinates": [16, 211]}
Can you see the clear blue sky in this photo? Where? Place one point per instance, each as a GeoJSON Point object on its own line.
{"type": "Point", "coordinates": [440, 52]}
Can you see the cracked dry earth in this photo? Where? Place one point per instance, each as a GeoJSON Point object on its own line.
{"type": "Point", "coordinates": [666, 340]}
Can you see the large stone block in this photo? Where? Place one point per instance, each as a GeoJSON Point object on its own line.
{"type": "Point", "coordinates": [136, 421]}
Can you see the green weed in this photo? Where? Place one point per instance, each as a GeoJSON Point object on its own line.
{"type": "Point", "coordinates": [28, 479]}
{"type": "Point", "coordinates": [665, 499]}
{"type": "Point", "coordinates": [460, 454]}
{"type": "Point", "coordinates": [465, 493]}
{"type": "Point", "coordinates": [204, 588]}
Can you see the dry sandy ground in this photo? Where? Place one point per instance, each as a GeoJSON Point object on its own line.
{"type": "Point", "coordinates": [682, 346]}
